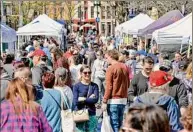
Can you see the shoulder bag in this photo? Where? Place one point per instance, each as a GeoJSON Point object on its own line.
{"type": "Point", "coordinates": [67, 122]}
{"type": "Point", "coordinates": [82, 115]}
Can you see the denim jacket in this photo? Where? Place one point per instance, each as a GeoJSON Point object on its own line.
{"type": "Point", "coordinates": [167, 103]}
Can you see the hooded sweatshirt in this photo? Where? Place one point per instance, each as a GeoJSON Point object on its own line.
{"type": "Point", "coordinates": [166, 102]}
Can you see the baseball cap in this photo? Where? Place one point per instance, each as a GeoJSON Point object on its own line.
{"type": "Point", "coordinates": [159, 78]}
{"type": "Point", "coordinates": [39, 52]}
{"type": "Point", "coordinates": [62, 72]}
{"type": "Point", "coordinates": [166, 64]}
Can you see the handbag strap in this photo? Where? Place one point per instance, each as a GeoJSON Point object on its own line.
{"type": "Point", "coordinates": [64, 99]}
{"type": "Point", "coordinates": [89, 87]}
{"type": "Point", "coordinates": [53, 99]}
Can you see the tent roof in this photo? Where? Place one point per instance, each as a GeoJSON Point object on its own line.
{"type": "Point", "coordinates": [177, 33]}
{"type": "Point", "coordinates": [132, 26]}
{"type": "Point", "coordinates": [163, 21]}
{"type": "Point", "coordinates": [42, 25]}
{"type": "Point", "coordinates": [8, 34]}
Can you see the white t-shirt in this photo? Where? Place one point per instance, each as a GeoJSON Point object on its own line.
{"type": "Point", "coordinates": [75, 73]}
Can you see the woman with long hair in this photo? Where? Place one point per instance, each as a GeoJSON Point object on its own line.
{"type": "Point", "coordinates": [186, 119]}
{"type": "Point", "coordinates": [86, 95]}
{"type": "Point", "coordinates": [19, 112]}
{"type": "Point", "coordinates": [142, 118]}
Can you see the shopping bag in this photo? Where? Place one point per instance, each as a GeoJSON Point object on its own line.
{"type": "Point", "coordinates": [68, 124]}
{"type": "Point", "coordinates": [106, 125]}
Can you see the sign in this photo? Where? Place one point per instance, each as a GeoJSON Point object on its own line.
{"type": "Point", "coordinates": [97, 19]}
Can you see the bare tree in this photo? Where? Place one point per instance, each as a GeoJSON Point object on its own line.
{"type": "Point", "coordinates": [70, 10]}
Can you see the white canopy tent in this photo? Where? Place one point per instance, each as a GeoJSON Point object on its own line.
{"type": "Point", "coordinates": [8, 35]}
{"type": "Point", "coordinates": [43, 25]}
{"type": "Point", "coordinates": [179, 32]}
{"type": "Point", "coordinates": [132, 26]}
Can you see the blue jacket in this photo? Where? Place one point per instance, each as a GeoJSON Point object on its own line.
{"type": "Point", "coordinates": [47, 52]}
{"type": "Point", "coordinates": [81, 90]}
{"type": "Point", "coordinates": [51, 108]}
{"type": "Point", "coordinates": [167, 102]}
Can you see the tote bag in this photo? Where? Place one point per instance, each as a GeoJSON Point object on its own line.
{"type": "Point", "coordinates": [68, 124]}
{"type": "Point", "coordinates": [106, 125]}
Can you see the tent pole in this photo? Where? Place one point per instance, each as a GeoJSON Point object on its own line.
{"type": "Point", "coordinates": [188, 54]}
{"type": "Point", "coordinates": [181, 48]}
{"type": "Point", "coordinates": [18, 42]}
{"type": "Point", "coordinates": [145, 44]}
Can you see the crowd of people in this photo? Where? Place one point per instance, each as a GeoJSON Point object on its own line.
{"type": "Point", "coordinates": [140, 90]}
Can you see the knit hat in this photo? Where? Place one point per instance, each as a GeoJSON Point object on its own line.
{"type": "Point", "coordinates": [159, 78]}
{"type": "Point", "coordinates": [39, 52]}
{"type": "Point", "coordinates": [166, 64]}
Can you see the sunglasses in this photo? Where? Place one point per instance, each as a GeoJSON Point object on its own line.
{"type": "Point", "coordinates": [85, 73]}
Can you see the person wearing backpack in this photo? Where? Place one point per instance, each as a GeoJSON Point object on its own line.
{"type": "Point", "coordinates": [157, 94]}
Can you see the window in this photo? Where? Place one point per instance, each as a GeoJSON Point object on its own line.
{"type": "Point", "coordinates": [79, 12]}
{"type": "Point", "coordinates": [113, 12]}
{"type": "Point", "coordinates": [109, 27]}
{"type": "Point", "coordinates": [103, 12]}
{"type": "Point", "coordinates": [103, 27]}
{"type": "Point", "coordinates": [108, 12]}
{"type": "Point", "coordinates": [92, 12]}
{"type": "Point", "coordinates": [85, 13]}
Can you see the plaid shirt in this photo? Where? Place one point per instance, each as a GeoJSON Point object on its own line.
{"type": "Point", "coordinates": [26, 122]}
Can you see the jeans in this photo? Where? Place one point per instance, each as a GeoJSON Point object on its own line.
{"type": "Point", "coordinates": [101, 84]}
{"type": "Point", "coordinates": [116, 111]}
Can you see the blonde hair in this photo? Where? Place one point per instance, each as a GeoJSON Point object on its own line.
{"type": "Point", "coordinates": [189, 71]}
{"type": "Point", "coordinates": [18, 91]}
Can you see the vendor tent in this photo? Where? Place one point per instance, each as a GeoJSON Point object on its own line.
{"type": "Point", "coordinates": [179, 32]}
{"type": "Point", "coordinates": [8, 38]}
{"type": "Point", "coordinates": [42, 25]}
{"type": "Point", "coordinates": [132, 26]}
{"type": "Point", "coordinates": [8, 34]}
{"type": "Point", "coordinates": [163, 21]}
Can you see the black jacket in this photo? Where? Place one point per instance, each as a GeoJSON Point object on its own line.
{"type": "Point", "coordinates": [178, 91]}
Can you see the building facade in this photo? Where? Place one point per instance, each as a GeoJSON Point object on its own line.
{"type": "Point", "coordinates": [87, 14]}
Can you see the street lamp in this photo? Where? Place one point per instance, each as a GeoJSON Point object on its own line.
{"type": "Point", "coordinates": [97, 4]}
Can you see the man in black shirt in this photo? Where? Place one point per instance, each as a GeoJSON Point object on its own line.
{"type": "Point", "coordinates": [140, 82]}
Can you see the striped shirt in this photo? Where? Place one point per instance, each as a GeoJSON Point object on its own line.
{"type": "Point", "coordinates": [25, 122]}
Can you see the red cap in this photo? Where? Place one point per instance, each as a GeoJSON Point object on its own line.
{"type": "Point", "coordinates": [39, 52]}
{"type": "Point", "coordinates": [159, 78]}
